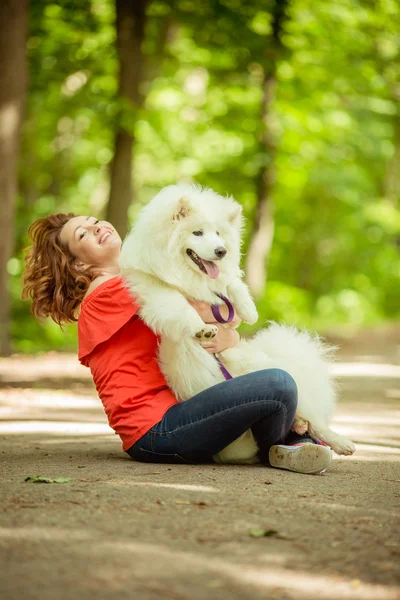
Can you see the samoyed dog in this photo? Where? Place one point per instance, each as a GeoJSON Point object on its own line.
{"type": "Point", "coordinates": [185, 245]}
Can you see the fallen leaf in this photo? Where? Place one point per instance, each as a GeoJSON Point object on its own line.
{"type": "Point", "coordinates": [262, 532]}
{"type": "Point", "coordinates": [39, 479]}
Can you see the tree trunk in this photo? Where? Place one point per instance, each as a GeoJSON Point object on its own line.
{"type": "Point", "coordinates": [263, 223]}
{"type": "Point", "coordinates": [391, 180]}
{"type": "Point", "coordinates": [130, 33]}
{"type": "Point", "coordinates": [13, 69]}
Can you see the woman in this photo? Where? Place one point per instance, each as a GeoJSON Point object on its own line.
{"type": "Point", "coordinates": [72, 274]}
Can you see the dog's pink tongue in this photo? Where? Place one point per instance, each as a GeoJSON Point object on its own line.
{"type": "Point", "coordinates": [211, 268]}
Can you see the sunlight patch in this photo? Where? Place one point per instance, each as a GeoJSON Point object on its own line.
{"type": "Point", "coordinates": [174, 486]}
{"type": "Point", "coordinates": [55, 427]}
{"type": "Point", "coordinates": [365, 370]}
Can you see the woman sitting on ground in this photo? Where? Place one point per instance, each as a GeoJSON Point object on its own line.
{"type": "Point", "coordinates": [72, 274]}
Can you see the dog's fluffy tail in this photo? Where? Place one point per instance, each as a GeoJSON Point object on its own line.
{"type": "Point", "coordinates": [306, 358]}
{"type": "Point", "coordinates": [286, 340]}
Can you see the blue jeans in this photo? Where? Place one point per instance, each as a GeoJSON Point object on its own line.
{"type": "Point", "coordinates": [192, 431]}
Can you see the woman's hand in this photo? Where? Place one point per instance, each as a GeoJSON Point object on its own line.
{"type": "Point", "coordinates": [203, 309]}
{"type": "Point", "coordinates": [225, 338]}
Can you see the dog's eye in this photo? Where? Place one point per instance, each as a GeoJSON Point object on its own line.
{"type": "Point", "coordinates": [198, 232]}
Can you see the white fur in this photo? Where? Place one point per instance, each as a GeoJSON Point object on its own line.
{"type": "Point", "coordinates": [162, 277]}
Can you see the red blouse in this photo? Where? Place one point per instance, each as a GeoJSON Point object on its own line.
{"type": "Point", "coordinates": [121, 352]}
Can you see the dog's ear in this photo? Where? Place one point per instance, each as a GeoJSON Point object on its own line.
{"type": "Point", "coordinates": [235, 215]}
{"type": "Point", "coordinates": [183, 209]}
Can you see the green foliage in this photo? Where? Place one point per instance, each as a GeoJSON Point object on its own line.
{"type": "Point", "coordinates": [335, 120]}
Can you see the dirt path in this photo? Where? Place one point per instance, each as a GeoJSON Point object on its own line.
{"type": "Point", "coordinates": [121, 529]}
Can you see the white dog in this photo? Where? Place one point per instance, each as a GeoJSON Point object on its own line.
{"type": "Point", "coordinates": [185, 245]}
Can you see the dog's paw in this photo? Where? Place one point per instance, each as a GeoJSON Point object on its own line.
{"type": "Point", "coordinates": [248, 313]}
{"type": "Point", "coordinates": [343, 446]}
{"type": "Point", "coordinates": [206, 333]}
{"type": "Point", "coordinates": [300, 426]}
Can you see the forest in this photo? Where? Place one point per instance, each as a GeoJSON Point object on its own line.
{"type": "Point", "coordinates": [291, 106]}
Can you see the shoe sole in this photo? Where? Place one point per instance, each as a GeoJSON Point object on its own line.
{"type": "Point", "coordinates": [310, 459]}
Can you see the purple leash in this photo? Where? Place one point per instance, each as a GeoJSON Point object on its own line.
{"type": "Point", "coordinates": [217, 313]}
{"type": "Point", "coordinates": [223, 369]}
{"type": "Point", "coordinates": [218, 317]}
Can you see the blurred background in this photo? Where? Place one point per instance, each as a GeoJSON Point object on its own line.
{"type": "Point", "coordinates": [291, 106]}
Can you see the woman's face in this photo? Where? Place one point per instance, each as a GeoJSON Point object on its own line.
{"type": "Point", "coordinates": [93, 242]}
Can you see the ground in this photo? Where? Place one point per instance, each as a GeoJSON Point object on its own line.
{"type": "Point", "coordinates": [121, 529]}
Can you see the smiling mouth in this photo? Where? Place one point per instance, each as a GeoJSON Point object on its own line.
{"type": "Point", "coordinates": [105, 236]}
{"type": "Point", "coordinates": [206, 266]}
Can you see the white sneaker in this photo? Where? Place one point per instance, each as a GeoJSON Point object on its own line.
{"type": "Point", "coordinates": [301, 458]}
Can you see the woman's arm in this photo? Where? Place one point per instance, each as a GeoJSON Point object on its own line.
{"type": "Point", "coordinates": [204, 310]}
{"type": "Point", "coordinates": [227, 336]}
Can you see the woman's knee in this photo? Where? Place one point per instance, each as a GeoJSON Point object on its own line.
{"type": "Point", "coordinates": [284, 386]}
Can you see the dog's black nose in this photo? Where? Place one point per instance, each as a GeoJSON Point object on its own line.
{"type": "Point", "coordinates": [220, 252]}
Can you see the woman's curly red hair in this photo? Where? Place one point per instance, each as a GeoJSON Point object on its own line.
{"type": "Point", "coordinates": [51, 279]}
